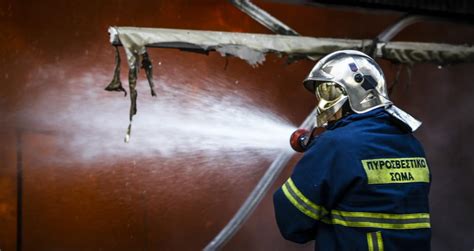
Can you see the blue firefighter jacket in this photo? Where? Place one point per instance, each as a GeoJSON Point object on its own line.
{"type": "Point", "coordinates": [362, 185]}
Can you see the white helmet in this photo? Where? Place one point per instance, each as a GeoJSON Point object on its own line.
{"type": "Point", "coordinates": [354, 76]}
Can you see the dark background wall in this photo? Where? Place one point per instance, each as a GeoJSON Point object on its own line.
{"type": "Point", "coordinates": [55, 60]}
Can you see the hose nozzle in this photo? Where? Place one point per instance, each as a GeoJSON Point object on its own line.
{"type": "Point", "coordinates": [299, 140]}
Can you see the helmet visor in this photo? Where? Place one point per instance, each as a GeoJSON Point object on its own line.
{"type": "Point", "coordinates": [328, 91]}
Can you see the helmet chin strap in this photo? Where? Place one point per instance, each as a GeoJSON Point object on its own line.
{"type": "Point", "coordinates": [344, 111]}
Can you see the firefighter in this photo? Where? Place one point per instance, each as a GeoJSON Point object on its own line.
{"type": "Point", "coordinates": [363, 184]}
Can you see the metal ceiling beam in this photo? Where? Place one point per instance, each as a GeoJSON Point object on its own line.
{"type": "Point", "coordinates": [263, 17]}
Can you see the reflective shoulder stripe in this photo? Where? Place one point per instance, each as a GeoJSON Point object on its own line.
{"type": "Point", "coordinates": [294, 195]}
{"type": "Point", "coordinates": [305, 200]}
{"type": "Point", "coordinates": [353, 219]}
{"type": "Point", "coordinates": [308, 212]}
{"type": "Point", "coordinates": [374, 241]}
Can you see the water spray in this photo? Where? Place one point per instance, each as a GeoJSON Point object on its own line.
{"type": "Point", "coordinates": [257, 193]}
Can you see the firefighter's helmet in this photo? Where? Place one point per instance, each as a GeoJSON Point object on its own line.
{"type": "Point", "coordinates": [355, 77]}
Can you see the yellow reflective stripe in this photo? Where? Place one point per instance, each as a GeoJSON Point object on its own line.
{"type": "Point", "coordinates": [381, 220]}
{"type": "Point", "coordinates": [298, 205]}
{"type": "Point", "coordinates": [380, 241]}
{"type": "Point", "coordinates": [370, 242]}
{"type": "Point", "coordinates": [382, 215]}
{"type": "Point", "coordinates": [353, 219]}
{"type": "Point", "coordinates": [380, 225]}
{"type": "Point", "coordinates": [303, 198]}
{"type": "Point", "coordinates": [374, 241]}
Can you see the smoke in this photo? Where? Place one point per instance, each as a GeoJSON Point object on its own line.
{"type": "Point", "coordinates": [210, 117]}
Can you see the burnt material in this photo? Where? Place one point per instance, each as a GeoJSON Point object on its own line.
{"type": "Point", "coordinates": [148, 67]}
{"type": "Point", "coordinates": [116, 84]}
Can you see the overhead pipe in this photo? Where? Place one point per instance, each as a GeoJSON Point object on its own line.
{"type": "Point", "coordinates": [264, 18]}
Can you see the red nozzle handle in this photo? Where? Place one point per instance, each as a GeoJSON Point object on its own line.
{"type": "Point", "coordinates": [298, 140]}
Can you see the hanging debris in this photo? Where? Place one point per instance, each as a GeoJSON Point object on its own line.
{"type": "Point", "coordinates": [116, 84]}
{"type": "Point", "coordinates": [148, 67]}
{"type": "Point", "coordinates": [253, 48]}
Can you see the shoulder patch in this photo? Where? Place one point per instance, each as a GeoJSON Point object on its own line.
{"type": "Point", "coordinates": [396, 170]}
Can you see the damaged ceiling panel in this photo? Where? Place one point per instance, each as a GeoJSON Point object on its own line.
{"type": "Point", "coordinates": [253, 48]}
{"type": "Point", "coordinates": [249, 47]}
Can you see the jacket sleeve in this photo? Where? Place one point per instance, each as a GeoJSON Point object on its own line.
{"type": "Point", "coordinates": [317, 183]}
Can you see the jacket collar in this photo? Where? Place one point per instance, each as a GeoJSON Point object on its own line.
{"type": "Point", "coordinates": [379, 113]}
